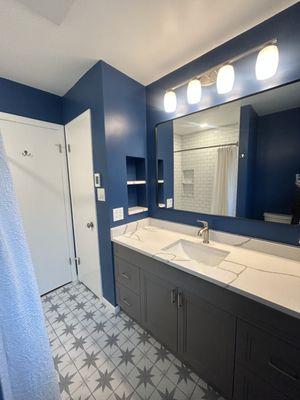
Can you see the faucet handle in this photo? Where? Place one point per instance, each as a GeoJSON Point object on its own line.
{"type": "Point", "coordinates": [204, 223]}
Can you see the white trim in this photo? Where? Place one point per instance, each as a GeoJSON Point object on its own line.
{"type": "Point", "coordinates": [66, 128]}
{"type": "Point", "coordinates": [28, 121]}
{"type": "Point", "coordinates": [61, 131]}
{"type": "Point", "coordinates": [114, 309]}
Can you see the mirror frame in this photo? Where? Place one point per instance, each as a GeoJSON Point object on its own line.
{"type": "Point", "coordinates": [197, 112]}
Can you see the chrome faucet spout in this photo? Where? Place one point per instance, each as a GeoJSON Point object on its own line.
{"type": "Point", "coordinates": [204, 231]}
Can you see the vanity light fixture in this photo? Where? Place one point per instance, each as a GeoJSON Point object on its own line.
{"type": "Point", "coordinates": [224, 75]}
{"type": "Point", "coordinates": [225, 79]}
{"type": "Point", "coordinates": [267, 62]}
{"type": "Point", "coordinates": [170, 101]}
{"type": "Point", "coordinates": [194, 91]}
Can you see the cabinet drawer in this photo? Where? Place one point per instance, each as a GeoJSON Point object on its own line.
{"type": "Point", "coordinates": [128, 274]}
{"type": "Point", "coordinates": [129, 302]}
{"type": "Point", "coordinates": [248, 386]}
{"type": "Point", "coordinates": [272, 358]}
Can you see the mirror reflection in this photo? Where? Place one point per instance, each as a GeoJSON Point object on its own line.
{"type": "Point", "coordinates": [240, 159]}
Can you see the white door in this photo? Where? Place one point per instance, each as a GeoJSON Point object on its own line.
{"type": "Point", "coordinates": [78, 134]}
{"type": "Point", "coordinates": [38, 165]}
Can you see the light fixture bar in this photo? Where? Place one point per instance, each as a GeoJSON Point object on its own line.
{"type": "Point", "coordinates": [229, 61]}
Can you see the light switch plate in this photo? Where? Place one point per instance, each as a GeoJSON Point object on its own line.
{"type": "Point", "coordinates": [97, 180]}
{"type": "Point", "coordinates": [169, 203]}
{"type": "Point", "coordinates": [101, 194]}
{"type": "Point", "coordinates": [118, 214]}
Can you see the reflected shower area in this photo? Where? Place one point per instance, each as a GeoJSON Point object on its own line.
{"type": "Point", "coordinates": [240, 159]}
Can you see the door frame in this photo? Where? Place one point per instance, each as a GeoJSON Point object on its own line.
{"type": "Point", "coordinates": [66, 188]}
{"type": "Point", "coordinates": [78, 118]}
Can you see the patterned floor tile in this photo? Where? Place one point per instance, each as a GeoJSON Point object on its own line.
{"type": "Point", "coordinates": [144, 378]}
{"type": "Point", "coordinates": [183, 377]}
{"type": "Point", "coordinates": [104, 381]}
{"type": "Point", "coordinates": [102, 356]}
{"type": "Point", "coordinates": [167, 390]}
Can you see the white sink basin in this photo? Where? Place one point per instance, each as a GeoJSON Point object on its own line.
{"type": "Point", "coordinates": [185, 250]}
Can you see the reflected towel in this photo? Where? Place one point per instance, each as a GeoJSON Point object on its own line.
{"type": "Point", "coordinates": [26, 366]}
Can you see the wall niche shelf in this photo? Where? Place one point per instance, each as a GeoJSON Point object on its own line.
{"type": "Point", "coordinates": [136, 210]}
{"type": "Point", "coordinates": [136, 185]}
{"type": "Point", "coordinates": [136, 182]}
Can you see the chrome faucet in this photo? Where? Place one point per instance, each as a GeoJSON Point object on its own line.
{"type": "Point", "coordinates": [204, 231]}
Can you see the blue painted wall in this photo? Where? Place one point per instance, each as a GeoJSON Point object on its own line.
{"type": "Point", "coordinates": [286, 28]}
{"type": "Point", "coordinates": [277, 162]}
{"type": "Point", "coordinates": [246, 171]}
{"type": "Point", "coordinates": [118, 110]}
{"type": "Point", "coordinates": [124, 102]}
{"type": "Point", "coordinates": [29, 102]}
{"type": "Point", "coordinates": [87, 93]}
{"type": "Point", "coordinates": [165, 153]}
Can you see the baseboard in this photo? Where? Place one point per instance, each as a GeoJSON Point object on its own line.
{"type": "Point", "coordinates": [114, 309]}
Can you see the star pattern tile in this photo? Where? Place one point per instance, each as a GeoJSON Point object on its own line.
{"type": "Point", "coordinates": [184, 373]}
{"type": "Point", "coordinates": [104, 380]}
{"type": "Point", "coordinates": [126, 356]}
{"type": "Point", "coordinates": [99, 355]}
{"type": "Point", "coordinates": [145, 376]}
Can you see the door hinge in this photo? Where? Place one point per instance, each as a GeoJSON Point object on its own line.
{"type": "Point", "coordinates": [59, 146]}
{"type": "Point", "coordinates": [69, 148]}
{"type": "Point", "coordinates": [77, 259]}
{"type": "Point", "coordinates": [70, 260]}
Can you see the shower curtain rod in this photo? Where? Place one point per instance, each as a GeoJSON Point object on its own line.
{"type": "Point", "coordinates": [208, 147]}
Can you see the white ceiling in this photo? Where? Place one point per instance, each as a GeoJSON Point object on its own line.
{"type": "Point", "coordinates": [271, 101]}
{"type": "Point", "coordinates": [49, 44]}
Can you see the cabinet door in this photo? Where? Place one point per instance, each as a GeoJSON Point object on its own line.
{"type": "Point", "coordinates": [248, 386]}
{"type": "Point", "coordinates": [159, 308]}
{"type": "Point", "coordinates": [207, 340]}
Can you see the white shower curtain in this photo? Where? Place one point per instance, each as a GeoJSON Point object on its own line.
{"type": "Point", "coordinates": [26, 366]}
{"type": "Point", "coordinates": [225, 182]}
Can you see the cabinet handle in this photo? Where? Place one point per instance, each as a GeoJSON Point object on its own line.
{"type": "Point", "coordinates": [126, 302]}
{"type": "Point", "coordinates": [292, 375]}
{"type": "Point", "coordinates": [125, 275]}
{"type": "Point", "coordinates": [179, 300]}
{"type": "Point", "coordinates": [173, 296]}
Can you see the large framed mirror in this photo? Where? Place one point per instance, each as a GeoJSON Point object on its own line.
{"type": "Point", "coordinates": [239, 159]}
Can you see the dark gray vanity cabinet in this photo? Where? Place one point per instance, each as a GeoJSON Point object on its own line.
{"type": "Point", "coordinates": [159, 308]}
{"type": "Point", "coordinates": [207, 340]}
{"type": "Point", "coordinates": [249, 386]}
{"type": "Point", "coordinates": [200, 333]}
{"type": "Point", "coordinates": [243, 348]}
{"type": "Point", "coordinates": [274, 359]}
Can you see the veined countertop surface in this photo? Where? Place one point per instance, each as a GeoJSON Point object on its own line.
{"type": "Point", "coordinates": [269, 279]}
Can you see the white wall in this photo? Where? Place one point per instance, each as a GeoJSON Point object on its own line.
{"type": "Point", "coordinates": [200, 163]}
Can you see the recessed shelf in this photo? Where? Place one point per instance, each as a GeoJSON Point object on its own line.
{"type": "Point", "coordinates": [136, 210]}
{"type": "Point", "coordinates": [136, 182]}
{"type": "Point", "coordinates": [136, 185]}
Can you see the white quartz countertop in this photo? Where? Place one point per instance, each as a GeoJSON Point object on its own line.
{"type": "Point", "coordinates": [269, 279]}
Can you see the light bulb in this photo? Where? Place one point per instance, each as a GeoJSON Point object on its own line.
{"type": "Point", "coordinates": [267, 62]}
{"type": "Point", "coordinates": [194, 91]}
{"type": "Point", "coordinates": [170, 101]}
{"type": "Point", "coordinates": [225, 79]}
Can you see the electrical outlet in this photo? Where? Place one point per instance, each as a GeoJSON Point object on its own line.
{"type": "Point", "coordinates": [118, 214]}
{"type": "Point", "coordinates": [169, 203]}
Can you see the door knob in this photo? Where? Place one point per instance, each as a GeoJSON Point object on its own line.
{"type": "Point", "coordinates": [90, 225]}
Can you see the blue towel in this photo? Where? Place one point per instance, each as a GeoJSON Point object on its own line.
{"type": "Point", "coordinates": [26, 366]}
